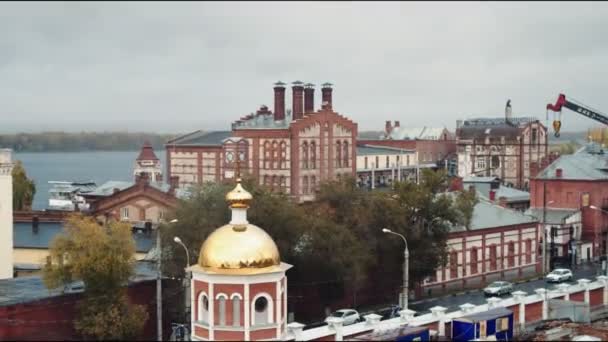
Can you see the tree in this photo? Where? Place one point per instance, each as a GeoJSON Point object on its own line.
{"type": "Point", "coordinates": [103, 258]}
{"type": "Point", "coordinates": [24, 188]}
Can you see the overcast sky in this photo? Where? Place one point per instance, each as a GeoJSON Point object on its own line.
{"type": "Point", "coordinates": [178, 67]}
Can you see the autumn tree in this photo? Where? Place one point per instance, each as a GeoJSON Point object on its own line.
{"type": "Point", "coordinates": [24, 188]}
{"type": "Point", "coordinates": [103, 257]}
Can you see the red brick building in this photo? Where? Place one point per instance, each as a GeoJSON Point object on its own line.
{"type": "Point", "coordinates": [288, 150]}
{"type": "Point", "coordinates": [575, 184]}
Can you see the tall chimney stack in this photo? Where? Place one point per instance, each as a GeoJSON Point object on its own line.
{"type": "Point", "coordinates": [388, 128]}
{"type": "Point", "coordinates": [309, 98]}
{"type": "Point", "coordinates": [326, 95]}
{"type": "Point", "coordinates": [298, 100]}
{"type": "Point", "coordinates": [279, 101]}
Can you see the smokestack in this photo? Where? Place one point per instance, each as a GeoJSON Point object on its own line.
{"type": "Point", "coordinates": [508, 111]}
{"type": "Point", "coordinates": [298, 100]}
{"type": "Point", "coordinates": [388, 128]}
{"type": "Point", "coordinates": [397, 124]}
{"type": "Point", "coordinates": [309, 98]}
{"type": "Point", "coordinates": [279, 101]}
{"type": "Point", "coordinates": [326, 95]}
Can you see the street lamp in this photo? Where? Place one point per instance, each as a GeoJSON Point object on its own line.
{"type": "Point", "coordinates": [159, 287]}
{"type": "Point", "coordinates": [186, 280]}
{"type": "Point", "coordinates": [404, 296]}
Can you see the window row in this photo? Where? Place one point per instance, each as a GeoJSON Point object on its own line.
{"type": "Point", "coordinates": [275, 182]}
{"type": "Point", "coordinates": [275, 155]}
{"type": "Point", "coordinates": [309, 185]}
{"type": "Point", "coordinates": [309, 155]}
{"type": "Point", "coordinates": [229, 310]}
{"type": "Point", "coordinates": [342, 154]}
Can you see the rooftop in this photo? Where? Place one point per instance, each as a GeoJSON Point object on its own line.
{"type": "Point", "coordinates": [147, 152]}
{"type": "Point", "coordinates": [200, 138]}
{"type": "Point", "coordinates": [424, 133]}
{"type": "Point", "coordinates": [262, 121]}
{"type": "Point", "coordinates": [489, 215]}
{"type": "Point", "coordinates": [364, 150]}
{"type": "Point", "coordinates": [107, 188]}
{"type": "Point", "coordinates": [590, 162]}
{"type": "Point", "coordinates": [24, 236]}
{"type": "Point", "coordinates": [551, 215]}
{"type": "Point", "coordinates": [28, 289]}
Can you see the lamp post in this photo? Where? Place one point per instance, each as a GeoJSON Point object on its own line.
{"type": "Point", "coordinates": [404, 296]}
{"type": "Point", "coordinates": [159, 287]}
{"type": "Point", "coordinates": [186, 278]}
{"type": "Point", "coordinates": [603, 211]}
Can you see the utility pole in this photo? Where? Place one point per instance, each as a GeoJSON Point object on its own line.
{"type": "Point", "coordinates": [159, 294]}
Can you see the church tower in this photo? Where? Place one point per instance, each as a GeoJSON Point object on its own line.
{"type": "Point", "coordinates": [6, 214]}
{"type": "Point", "coordinates": [147, 162]}
{"type": "Point", "coordinates": [238, 286]}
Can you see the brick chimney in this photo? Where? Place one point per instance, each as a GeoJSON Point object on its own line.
{"type": "Point", "coordinates": [326, 95]}
{"type": "Point", "coordinates": [492, 195]}
{"type": "Point", "coordinates": [309, 98]}
{"type": "Point", "coordinates": [559, 173]}
{"type": "Point", "coordinates": [502, 201]}
{"type": "Point", "coordinates": [397, 124]}
{"type": "Point", "coordinates": [298, 100]}
{"type": "Point", "coordinates": [173, 184]}
{"type": "Point", "coordinates": [279, 101]}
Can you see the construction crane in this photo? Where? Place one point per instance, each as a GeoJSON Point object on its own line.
{"type": "Point", "coordinates": [575, 107]}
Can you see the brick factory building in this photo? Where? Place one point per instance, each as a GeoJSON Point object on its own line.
{"type": "Point", "coordinates": [501, 147]}
{"type": "Point", "coordinates": [288, 150]}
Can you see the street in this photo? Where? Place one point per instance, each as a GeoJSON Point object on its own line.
{"type": "Point", "coordinates": [452, 302]}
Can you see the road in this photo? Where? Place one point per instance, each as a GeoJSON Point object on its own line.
{"type": "Point", "coordinates": [452, 302]}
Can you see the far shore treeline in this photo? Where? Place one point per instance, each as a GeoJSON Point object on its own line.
{"type": "Point", "coordinates": [83, 141]}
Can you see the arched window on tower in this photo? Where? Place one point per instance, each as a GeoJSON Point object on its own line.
{"type": "Point", "coordinates": [305, 155]}
{"type": "Point", "coordinates": [338, 156]}
{"type": "Point", "coordinates": [345, 154]}
{"type": "Point", "coordinates": [267, 155]}
{"type": "Point", "coordinates": [236, 310]}
{"type": "Point", "coordinates": [313, 155]}
{"type": "Point", "coordinates": [203, 307]}
{"type": "Point", "coordinates": [221, 298]}
{"type": "Point", "coordinates": [261, 310]}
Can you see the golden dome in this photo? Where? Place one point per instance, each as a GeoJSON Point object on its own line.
{"type": "Point", "coordinates": [238, 197]}
{"type": "Point", "coordinates": [239, 249]}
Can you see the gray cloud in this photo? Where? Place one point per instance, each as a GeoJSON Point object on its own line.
{"type": "Point", "coordinates": [182, 66]}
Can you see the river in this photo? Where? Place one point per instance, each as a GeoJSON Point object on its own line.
{"type": "Point", "coordinates": [97, 166]}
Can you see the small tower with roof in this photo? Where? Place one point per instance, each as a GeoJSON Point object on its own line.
{"type": "Point", "coordinates": [148, 163]}
{"type": "Point", "coordinates": [239, 287]}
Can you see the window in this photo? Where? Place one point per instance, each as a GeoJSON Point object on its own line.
{"type": "Point", "coordinates": [222, 309]}
{"type": "Point", "coordinates": [534, 135]}
{"type": "Point", "coordinates": [338, 154]}
{"type": "Point", "coordinates": [481, 163]}
{"type": "Point", "coordinates": [474, 260]}
{"type": "Point", "coordinates": [365, 162]}
{"type": "Point", "coordinates": [345, 154]}
{"type": "Point", "coordinates": [502, 324]}
{"type": "Point", "coordinates": [267, 155]}
{"type": "Point", "coordinates": [313, 183]}
{"type": "Point", "coordinates": [407, 162]}
{"type": "Point", "coordinates": [313, 155]}
{"type": "Point", "coordinates": [305, 155]}
{"type": "Point", "coordinates": [511, 258]}
{"type": "Point", "coordinates": [495, 161]}
{"type": "Point", "coordinates": [283, 157]}
{"type": "Point", "coordinates": [377, 165]}
{"type": "Point", "coordinates": [124, 213]}
{"type": "Point", "coordinates": [528, 251]}
{"type": "Point", "coordinates": [387, 161]}
{"type": "Point", "coordinates": [236, 311]}
{"type": "Point", "coordinates": [453, 265]}
{"type": "Point", "coordinates": [275, 155]}
{"type": "Point", "coordinates": [261, 309]}
{"type": "Point", "coordinates": [283, 183]}
{"type": "Point", "coordinates": [493, 258]}
{"type": "Point", "coordinates": [203, 307]}
{"type": "Point", "coordinates": [305, 185]}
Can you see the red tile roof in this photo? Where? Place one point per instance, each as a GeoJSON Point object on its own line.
{"type": "Point", "coordinates": [147, 153]}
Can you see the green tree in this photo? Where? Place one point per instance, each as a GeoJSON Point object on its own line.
{"type": "Point", "coordinates": [103, 257]}
{"type": "Point", "coordinates": [24, 188]}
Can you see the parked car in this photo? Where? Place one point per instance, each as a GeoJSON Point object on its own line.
{"type": "Point", "coordinates": [559, 275]}
{"type": "Point", "coordinates": [389, 312]}
{"type": "Point", "coordinates": [349, 316]}
{"type": "Point", "coordinates": [498, 288]}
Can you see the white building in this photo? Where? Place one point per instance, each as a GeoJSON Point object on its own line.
{"type": "Point", "coordinates": [6, 214]}
{"type": "Point", "coordinates": [147, 162]}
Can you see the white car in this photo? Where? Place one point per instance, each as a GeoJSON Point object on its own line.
{"type": "Point", "coordinates": [498, 288]}
{"type": "Point", "coordinates": [559, 275]}
{"type": "Point", "coordinates": [349, 316]}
